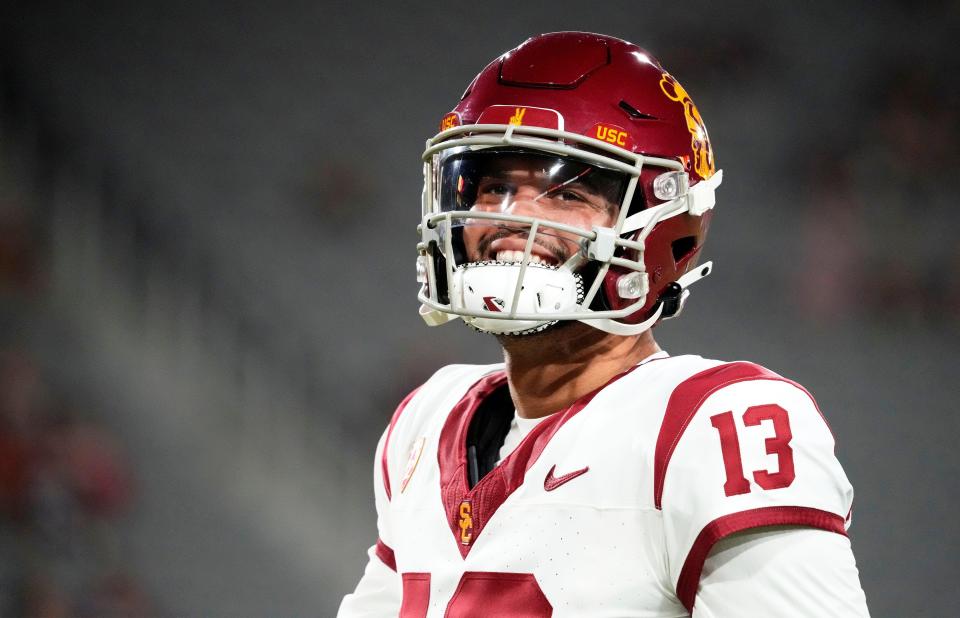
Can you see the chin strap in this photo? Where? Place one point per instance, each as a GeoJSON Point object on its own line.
{"type": "Point", "coordinates": [619, 328]}
{"type": "Point", "coordinates": [672, 301]}
{"type": "Point", "coordinates": [434, 317]}
{"type": "Point", "coordinates": [695, 275]}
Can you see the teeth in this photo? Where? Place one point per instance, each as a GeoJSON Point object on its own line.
{"type": "Point", "coordinates": [510, 256]}
{"type": "Point", "coordinates": [517, 256]}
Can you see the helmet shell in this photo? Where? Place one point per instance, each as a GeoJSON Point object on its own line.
{"type": "Point", "coordinates": [591, 80]}
{"type": "Point", "coordinates": [608, 89]}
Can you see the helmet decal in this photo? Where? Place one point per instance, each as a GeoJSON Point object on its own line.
{"type": "Point", "coordinates": [449, 121]}
{"type": "Point", "coordinates": [699, 140]}
{"type": "Point", "coordinates": [612, 134]}
{"type": "Point", "coordinates": [521, 115]}
{"type": "Point", "coordinates": [517, 118]}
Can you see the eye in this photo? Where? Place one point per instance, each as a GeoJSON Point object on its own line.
{"type": "Point", "coordinates": [496, 188]}
{"type": "Point", "coordinates": [579, 198]}
{"type": "Point", "coordinates": [566, 195]}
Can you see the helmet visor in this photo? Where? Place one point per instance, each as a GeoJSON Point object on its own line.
{"type": "Point", "coordinates": [519, 183]}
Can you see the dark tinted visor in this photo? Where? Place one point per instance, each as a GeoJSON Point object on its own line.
{"type": "Point", "coordinates": [497, 180]}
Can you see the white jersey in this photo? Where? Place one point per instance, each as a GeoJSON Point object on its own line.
{"type": "Point", "coordinates": [607, 508]}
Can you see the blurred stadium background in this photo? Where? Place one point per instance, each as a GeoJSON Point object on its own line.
{"type": "Point", "coordinates": [207, 220]}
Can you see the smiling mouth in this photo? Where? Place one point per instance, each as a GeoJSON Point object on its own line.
{"type": "Point", "coordinates": [506, 246]}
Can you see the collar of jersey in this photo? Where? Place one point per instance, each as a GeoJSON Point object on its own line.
{"type": "Point", "coordinates": [493, 489]}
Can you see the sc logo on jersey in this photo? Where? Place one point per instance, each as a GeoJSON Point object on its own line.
{"type": "Point", "coordinates": [466, 522]}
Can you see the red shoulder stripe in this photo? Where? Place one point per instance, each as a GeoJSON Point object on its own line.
{"type": "Point", "coordinates": [684, 402]}
{"type": "Point", "coordinates": [687, 398]}
{"type": "Point", "coordinates": [386, 555]}
{"type": "Point", "coordinates": [386, 443]}
{"type": "Point", "coordinates": [721, 527]}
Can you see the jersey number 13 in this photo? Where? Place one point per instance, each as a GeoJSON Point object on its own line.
{"type": "Point", "coordinates": [778, 445]}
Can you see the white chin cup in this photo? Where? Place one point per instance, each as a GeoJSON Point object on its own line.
{"type": "Point", "coordinates": [488, 287]}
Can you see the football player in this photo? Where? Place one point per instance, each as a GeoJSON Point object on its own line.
{"type": "Point", "coordinates": [566, 200]}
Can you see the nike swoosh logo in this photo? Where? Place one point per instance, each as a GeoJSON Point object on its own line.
{"type": "Point", "coordinates": [551, 482]}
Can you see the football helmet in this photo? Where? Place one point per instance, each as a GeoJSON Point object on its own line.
{"type": "Point", "coordinates": [574, 181]}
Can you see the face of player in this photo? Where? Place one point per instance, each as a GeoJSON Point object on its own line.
{"type": "Point", "coordinates": [546, 188]}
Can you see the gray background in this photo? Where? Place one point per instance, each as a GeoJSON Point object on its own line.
{"type": "Point", "coordinates": [207, 218]}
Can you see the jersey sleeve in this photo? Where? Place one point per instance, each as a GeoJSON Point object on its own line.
{"type": "Point", "coordinates": [742, 448]}
{"type": "Point", "coordinates": [794, 572]}
{"type": "Point", "coordinates": [379, 592]}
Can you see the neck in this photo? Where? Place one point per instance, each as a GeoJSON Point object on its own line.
{"type": "Point", "coordinates": [549, 371]}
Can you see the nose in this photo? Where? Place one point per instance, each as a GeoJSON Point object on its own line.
{"type": "Point", "coordinates": [526, 201]}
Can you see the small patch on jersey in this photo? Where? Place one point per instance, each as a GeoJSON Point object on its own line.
{"type": "Point", "coordinates": [551, 482]}
{"type": "Point", "coordinates": [412, 460]}
{"type": "Point", "coordinates": [466, 522]}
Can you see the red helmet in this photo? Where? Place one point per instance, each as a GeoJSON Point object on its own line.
{"type": "Point", "coordinates": [599, 108]}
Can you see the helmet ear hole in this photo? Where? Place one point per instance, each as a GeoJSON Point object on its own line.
{"type": "Point", "coordinates": [683, 247]}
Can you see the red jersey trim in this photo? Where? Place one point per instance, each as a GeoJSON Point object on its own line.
{"type": "Point", "coordinates": [416, 595]}
{"type": "Point", "coordinates": [485, 593]}
{"type": "Point", "coordinates": [494, 488]}
{"type": "Point", "coordinates": [386, 443]}
{"type": "Point", "coordinates": [386, 555]}
{"type": "Point", "coordinates": [686, 400]}
{"type": "Point", "coordinates": [721, 527]}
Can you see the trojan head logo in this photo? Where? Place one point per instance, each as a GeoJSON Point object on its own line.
{"type": "Point", "coordinates": [466, 522]}
{"type": "Point", "coordinates": [699, 140]}
{"type": "Point", "coordinates": [518, 115]}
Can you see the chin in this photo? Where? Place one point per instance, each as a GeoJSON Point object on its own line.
{"type": "Point", "coordinates": [561, 327]}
